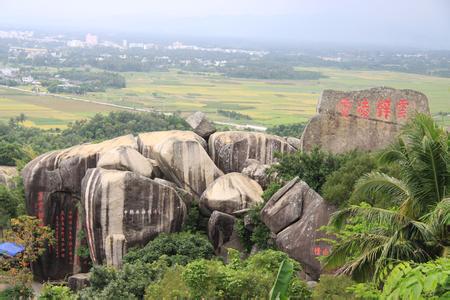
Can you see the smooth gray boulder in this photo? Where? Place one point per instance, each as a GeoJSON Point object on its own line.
{"type": "Point", "coordinates": [125, 209]}
{"type": "Point", "coordinates": [230, 193]}
{"type": "Point", "coordinates": [125, 159]}
{"type": "Point", "coordinates": [200, 124]}
{"type": "Point", "coordinates": [366, 120]}
{"type": "Point", "coordinates": [182, 158]}
{"type": "Point", "coordinates": [230, 149]}
{"type": "Point", "coordinates": [257, 171]}
{"type": "Point", "coordinates": [7, 175]}
{"type": "Point", "coordinates": [222, 233]}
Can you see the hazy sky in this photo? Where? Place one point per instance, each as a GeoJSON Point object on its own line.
{"type": "Point", "coordinates": [396, 23]}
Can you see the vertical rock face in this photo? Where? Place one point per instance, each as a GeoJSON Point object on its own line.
{"type": "Point", "coordinates": [200, 124]}
{"type": "Point", "coordinates": [222, 234]}
{"type": "Point", "coordinates": [230, 193]}
{"type": "Point", "coordinates": [229, 150]}
{"type": "Point", "coordinates": [124, 209]}
{"type": "Point", "coordinates": [7, 175]}
{"type": "Point", "coordinates": [182, 159]}
{"type": "Point", "coordinates": [52, 184]}
{"type": "Point", "coordinates": [295, 213]}
{"type": "Point", "coordinates": [367, 119]}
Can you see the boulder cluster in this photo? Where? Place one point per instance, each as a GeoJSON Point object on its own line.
{"type": "Point", "coordinates": [122, 193]}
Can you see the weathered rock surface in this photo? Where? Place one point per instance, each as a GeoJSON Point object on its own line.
{"type": "Point", "coordinates": [124, 209]}
{"type": "Point", "coordinates": [7, 175]}
{"type": "Point", "coordinates": [230, 149]}
{"type": "Point", "coordinates": [200, 124]}
{"type": "Point", "coordinates": [78, 281]}
{"type": "Point", "coordinates": [367, 119]}
{"type": "Point", "coordinates": [125, 159]}
{"type": "Point", "coordinates": [222, 234]}
{"type": "Point", "coordinates": [52, 184]}
{"type": "Point", "coordinates": [294, 142]}
{"type": "Point", "coordinates": [230, 193]}
{"type": "Point", "coordinates": [182, 159]}
{"type": "Point", "coordinates": [295, 213]}
{"type": "Point", "coordinates": [257, 171]}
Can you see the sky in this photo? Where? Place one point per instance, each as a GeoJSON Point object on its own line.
{"type": "Point", "coordinates": [393, 23]}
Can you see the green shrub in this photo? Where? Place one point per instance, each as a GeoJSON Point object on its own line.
{"type": "Point", "coordinates": [171, 286]}
{"type": "Point", "coordinates": [181, 248]}
{"type": "Point", "coordinates": [56, 292]}
{"type": "Point", "coordinates": [333, 287]}
{"type": "Point", "coordinates": [312, 167]}
{"type": "Point", "coordinates": [17, 292]}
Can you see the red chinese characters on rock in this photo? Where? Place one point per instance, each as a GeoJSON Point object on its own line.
{"type": "Point", "coordinates": [62, 234]}
{"type": "Point", "coordinates": [318, 251]}
{"type": "Point", "coordinates": [344, 107]}
{"type": "Point", "coordinates": [363, 108]}
{"type": "Point", "coordinates": [70, 244]}
{"type": "Point", "coordinates": [39, 208]}
{"type": "Point", "coordinates": [384, 108]}
{"type": "Point", "coordinates": [402, 108]}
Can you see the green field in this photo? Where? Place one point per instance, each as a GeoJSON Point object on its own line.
{"type": "Point", "coordinates": [266, 102]}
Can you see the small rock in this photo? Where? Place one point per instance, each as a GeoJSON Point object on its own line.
{"type": "Point", "coordinates": [257, 171]}
{"type": "Point", "coordinates": [125, 159]}
{"type": "Point", "coordinates": [200, 124]}
{"type": "Point", "coordinates": [79, 281]}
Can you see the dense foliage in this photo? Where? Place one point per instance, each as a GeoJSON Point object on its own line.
{"type": "Point", "coordinates": [294, 130]}
{"type": "Point", "coordinates": [312, 167]}
{"type": "Point", "coordinates": [416, 229]}
{"type": "Point", "coordinates": [181, 248]}
{"type": "Point", "coordinates": [233, 114]}
{"type": "Point", "coordinates": [98, 128]}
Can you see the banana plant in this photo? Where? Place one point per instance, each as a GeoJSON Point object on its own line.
{"type": "Point", "coordinates": [281, 285]}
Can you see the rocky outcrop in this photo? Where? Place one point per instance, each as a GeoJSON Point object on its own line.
{"type": "Point", "coordinates": [7, 175]}
{"type": "Point", "coordinates": [230, 149]}
{"type": "Point", "coordinates": [182, 159]}
{"type": "Point", "coordinates": [294, 142]}
{"type": "Point", "coordinates": [366, 120]}
{"type": "Point", "coordinates": [222, 233]}
{"type": "Point", "coordinates": [230, 193]}
{"type": "Point", "coordinates": [124, 209]}
{"type": "Point", "coordinates": [257, 171]}
{"type": "Point", "coordinates": [52, 184]}
{"type": "Point", "coordinates": [125, 159]}
{"type": "Point", "coordinates": [294, 214]}
{"type": "Point", "coordinates": [200, 124]}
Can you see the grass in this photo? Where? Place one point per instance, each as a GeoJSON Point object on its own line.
{"type": "Point", "coordinates": [267, 102]}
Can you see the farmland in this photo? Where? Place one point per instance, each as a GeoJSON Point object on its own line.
{"type": "Point", "coordinates": [265, 102]}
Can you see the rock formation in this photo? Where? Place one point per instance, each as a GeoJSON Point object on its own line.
{"type": "Point", "coordinates": [230, 149]}
{"type": "Point", "coordinates": [222, 233]}
{"type": "Point", "coordinates": [230, 193]}
{"type": "Point", "coordinates": [182, 159]}
{"type": "Point", "coordinates": [7, 175]}
{"type": "Point", "coordinates": [200, 124]}
{"type": "Point", "coordinates": [52, 184]}
{"type": "Point", "coordinates": [367, 119]}
{"type": "Point", "coordinates": [294, 214]}
{"type": "Point", "coordinates": [125, 209]}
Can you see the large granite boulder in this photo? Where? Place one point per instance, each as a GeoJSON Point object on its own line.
{"type": "Point", "coordinates": [222, 233]}
{"type": "Point", "coordinates": [52, 184]}
{"type": "Point", "coordinates": [182, 158]}
{"type": "Point", "coordinates": [230, 149]}
{"type": "Point", "coordinates": [257, 171]}
{"type": "Point", "coordinates": [294, 214]}
{"type": "Point", "coordinates": [231, 193]}
{"type": "Point", "coordinates": [7, 175]}
{"type": "Point", "coordinates": [124, 209]}
{"type": "Point", "coordinates": [125, 159]}
{"type": "Point", "coordinates": [366, 120]}
{"type": "Point", "coordinates": [200, 124]}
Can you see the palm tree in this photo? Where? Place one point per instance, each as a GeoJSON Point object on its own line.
{"type": "Point", "coordinates": [417, 230]}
